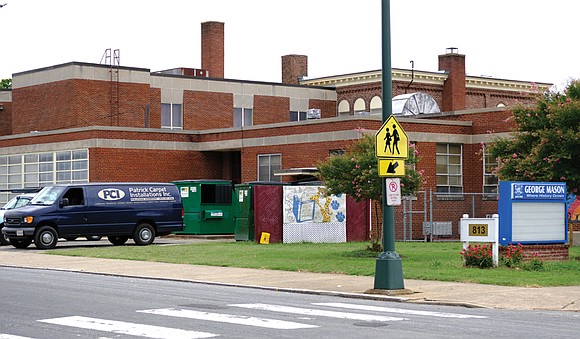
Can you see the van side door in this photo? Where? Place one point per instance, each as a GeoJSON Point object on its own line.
{"type": "Point", "coordinates": [72, 209]}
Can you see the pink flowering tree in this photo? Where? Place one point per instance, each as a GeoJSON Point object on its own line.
{"type": "Point", "coordinates": [355, 173]}
{"type": "Point", "coordinates": [545, 145]}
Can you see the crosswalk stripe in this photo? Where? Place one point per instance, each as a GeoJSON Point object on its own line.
{"type": "Point", "coordinates": [120, 327]}
{"type": "Point", "coordinates": [228, 318]}
{"type": "Point", "coordinates": [400, 311]}
{"type": "Point", "coordinates": [313, 312]}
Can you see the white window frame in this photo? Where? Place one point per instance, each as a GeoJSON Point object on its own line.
{"type": "Point", "coordinates": [453, 173]}
{"type": "Point", "coordinates": [42, 169]}
{"type": "Point", "coordinates": [243, 117]}
{"type": "Point", "coordinates": [270, 176]}
{"type": "Point", "coordinates": [298, 115]}
{"type": "Point", "coordinates": [173, 109]}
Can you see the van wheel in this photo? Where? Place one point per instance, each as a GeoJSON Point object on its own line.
{"type": "Point", "coordinates": [144, 234]}
{"type": "Point", "coordinates": [4, 239]}
{"type": "Point", "coordinates": [117, 240]}
{"type": "Point", "coordinates": [45, 238]}
{"type": "Point", "coordinates": [20, 243]}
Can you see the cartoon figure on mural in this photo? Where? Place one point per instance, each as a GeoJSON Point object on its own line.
{"type": "Point", "coordinates": [395, 139]}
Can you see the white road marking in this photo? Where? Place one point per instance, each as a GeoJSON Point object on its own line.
{"type": "Point", "coordinates": [229, 318]}
{"type": "Point", "coordinates": [120, 327]}
{"type": "Point", "coordinates": [9, 336]}
{"type": "Point", "coordinates": [321, 313]}
{"type": "Point", "coordinates": [400, 311]}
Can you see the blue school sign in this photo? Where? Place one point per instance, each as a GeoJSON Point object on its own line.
{"type": "Point", "coordinates": [532, 213]}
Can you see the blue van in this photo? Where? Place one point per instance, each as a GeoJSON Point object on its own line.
{"type": "Point", "coordinates": [119, 211]}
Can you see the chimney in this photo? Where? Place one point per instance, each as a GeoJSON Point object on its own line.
{"type": "Point", "coordinates": [454, 91]}
{"type": "Point", "coordinates": [212, 48]}
{"type": "Point", "coordinates": [294, 67]}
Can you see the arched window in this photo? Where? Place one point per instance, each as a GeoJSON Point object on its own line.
{"type": "Point", "coordinates": [343, 108]}
{"type": "Point", "coordinates": [359, 106]}
{"type": "Point", "coordinates": [376, 105]}
{"type": "Point", "coordinates": [501, 104]}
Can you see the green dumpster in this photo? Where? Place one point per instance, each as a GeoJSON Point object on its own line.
{"type": "Point", "coordinates": [243, 209]}
{"type": "Point", "coordinates": [207, 206]}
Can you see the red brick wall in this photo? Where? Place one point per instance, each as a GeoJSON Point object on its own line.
{"type": "Point", "coordinates": [207, 110]}
{"type": "Point", "coordinates": [474, 98]}
{"type": "Point", "coordinates": [6, 119]}
{"type": "Point", "coordinates": [270, 109]}
{"type": "Point", "coordinates": [543, 252]}
{"type": "Point", "coordinates": [111, 164]}
{"type": "Point", "coordinates": [327, 107]}
{"type": "Point", "coordinates": [78, 103]}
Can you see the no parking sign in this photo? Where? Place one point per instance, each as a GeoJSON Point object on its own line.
{"type": "Point", "coordinates": [393, 191]}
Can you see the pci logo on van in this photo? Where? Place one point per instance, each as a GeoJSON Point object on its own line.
{"type": "Point", "coordinates": [111, 194]}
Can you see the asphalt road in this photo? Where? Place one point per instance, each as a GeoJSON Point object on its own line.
{"type": "Point", "coordinates": [48, 304]}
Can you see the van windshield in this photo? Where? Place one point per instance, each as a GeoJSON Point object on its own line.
{"type": "Point", "coordinates": [47, 196]}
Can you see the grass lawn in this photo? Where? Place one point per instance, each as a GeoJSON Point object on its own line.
{"type": "Point", "coordinates": [426, 261]}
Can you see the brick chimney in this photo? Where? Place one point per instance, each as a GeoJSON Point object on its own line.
{"type": "Point", "coordinates": [294, 67]}
{"type": "Point", "coordinates": [454, 87]}
{"type": "Point", "coordinates": [212, 48]}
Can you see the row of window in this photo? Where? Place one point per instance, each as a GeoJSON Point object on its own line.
{"type": "Point", "coordinates": [42, 169]}
{"type": "Point", "coordinates": [172, 116]}
{"type": "Point", "coordinates": [449, 169]}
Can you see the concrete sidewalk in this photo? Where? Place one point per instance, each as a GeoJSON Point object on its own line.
{"type": "Point", "coordinates": [447, 293]}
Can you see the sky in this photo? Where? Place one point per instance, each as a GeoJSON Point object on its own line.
{"type": "Point", "coordinates": [526, 40]}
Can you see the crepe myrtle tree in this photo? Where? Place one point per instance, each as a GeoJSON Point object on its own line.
{"type": "Point", "coordinates": [545, 145]}
{"type": "Point", "coordinates": [355, 173]}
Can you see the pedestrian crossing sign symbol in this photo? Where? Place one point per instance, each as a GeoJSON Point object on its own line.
{"type": "Point", "coordinates": [391, 141]}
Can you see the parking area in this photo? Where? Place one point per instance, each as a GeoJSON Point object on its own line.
{"type": "Point", "coordinates": [159, 241]}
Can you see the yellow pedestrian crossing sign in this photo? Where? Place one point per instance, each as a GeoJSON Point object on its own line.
{"type": "Point", "coordinates": [391, 167]}
{"type": "Point", "coordinates": [391, 141]}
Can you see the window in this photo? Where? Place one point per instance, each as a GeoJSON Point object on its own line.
{"type": "Point", "coordinates": [448, 168]}
{"type": "Point", "coordinates": [171, 116]}
{"type": "Point", "coordinates": [360, 107]}
{"type": "Point", "coordinates": [243, 117]}
{"type": "Point", "coordinates": [336, 152]}
{"type": "Point", "coordinates": [267, 164]}
{"type": "Point", "coordinates": [42, 169]}
{"type": "Point", "coordinates": [297, 116]}
{"type": "Point", "coordinates": [343, 108]}
{"type": "Point", "coordinates": [490, 180]}
{"type": "Point", "coordinates": [376, 106]}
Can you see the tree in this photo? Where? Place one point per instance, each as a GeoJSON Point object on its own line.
{"type": "Point", "coordinates": [545, 145]}
{"type": "Point", "coordinates": [5, 83]}
{"type": "Point", "coordinates": [355, 173]}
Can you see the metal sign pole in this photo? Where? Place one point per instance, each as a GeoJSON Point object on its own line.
{"type": "Point", "coordinates": [389, 268]}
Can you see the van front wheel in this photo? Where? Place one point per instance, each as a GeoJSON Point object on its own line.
{"type": "Point", "coordinates": [45, 238]}
{"type": "Point", "coordinates": [144, 234]}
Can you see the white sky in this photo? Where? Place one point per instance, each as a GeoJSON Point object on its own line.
{"type": "Point", "coordinates": [527, 40]}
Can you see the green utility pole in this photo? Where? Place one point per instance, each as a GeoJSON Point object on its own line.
{"type": "Point", "coordinates": [389, 268]}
